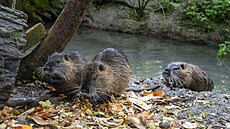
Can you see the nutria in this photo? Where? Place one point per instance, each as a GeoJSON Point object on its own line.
{"type": "Point", "coordinates": [182, 74]}
{"type": "Point", "coordinates": [107, 74]}
{"type": "Point", "coordinates": [63, 71]}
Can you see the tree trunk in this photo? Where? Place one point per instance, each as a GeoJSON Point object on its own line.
{"type": "Point", "coordinates": [57, 38]}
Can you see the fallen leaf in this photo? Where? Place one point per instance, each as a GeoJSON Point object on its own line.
{"type": "Point", "coordinates": [88, 112]}
{"type": "Point", "coordinates": [3, 126]}
{"type": "Point", "coordinates": [110, 122]}
{"type": "Point", "coordinates": [140, 103]}
{"type": "Point", "coordinates": [15, 112]}
{"type": "Point", "coordinates": [46, 104]}
{"type": "Point", "coordinates": [115, 107]}
{"type": "Point", "coordinates": [136, 122]}
{"type": "Point", "coordinates": [147, 98]}
{"type": "Point", "coordinates": [159, 93]}
{"type": "Point", "coordinates": [228, 125]}
{"type": "Point", "coordinates": [40, 121]}
{"type": "Point", "coordinates": [189, 125]}
{"type": "Point", "coordinates": [44, 115]}
{"type": "Point", "coordinates": [5, 110]}
{"type": "Point", "coordinates": [23, 127]}
{"type": "Point", "coordinates": [199, 119]}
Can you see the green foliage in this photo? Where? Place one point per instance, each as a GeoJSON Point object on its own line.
{"type": "Point", "coordinates": [206, 11]}
{"type": "Point", "coordinates": [170, 4]}
{"type": "Point", "coordinates": [224, 49]}
{"type": "Point", "coordinates": [35, 5]}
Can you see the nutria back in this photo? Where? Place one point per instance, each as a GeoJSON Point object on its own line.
{"type": "Point", "coordinates": [182, 74]}
{"type": "Point", "coordinates": [107, 74]}
{"type": "Point", "coordinates": [64, 71]}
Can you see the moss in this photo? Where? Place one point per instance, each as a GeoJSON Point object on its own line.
{"type": "Point", "coordinates": [16, 34]}
{"type": "Point", "coordinates": [133, 15]}
{"type": "Point", "coordinates": [35, 5]}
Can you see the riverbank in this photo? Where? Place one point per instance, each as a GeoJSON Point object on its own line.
{"type": "Point", "coordinates": [119, 17]}
{"type": "Point", "coordinates": [164, 108]}
{"type": "Point", "coordinates": [181, 20]}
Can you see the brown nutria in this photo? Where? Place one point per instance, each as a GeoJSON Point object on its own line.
{"type": "Point", "coordinates": [63, 71]}
{"type": "Point", "coordinates": [182, 74]}
{"type": "Point", "coordinates": [107, 74]}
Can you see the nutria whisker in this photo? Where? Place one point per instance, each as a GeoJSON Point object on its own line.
{"type": "Point", "coordinates": [104, 95]}
{"type": "Point", "coordinates": [178, 82]}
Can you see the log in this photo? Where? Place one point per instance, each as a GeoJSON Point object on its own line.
{"type": "Point", "coordinates": [56, 39]}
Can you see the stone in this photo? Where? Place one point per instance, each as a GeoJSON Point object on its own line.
{"type": "Point", "coordinates": [34, 35]}
{"type": "Point", "coordinates": [13, 24]}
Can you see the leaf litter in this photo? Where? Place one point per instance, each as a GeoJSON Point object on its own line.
{"type": "Point", "coordinates": [164, 108]}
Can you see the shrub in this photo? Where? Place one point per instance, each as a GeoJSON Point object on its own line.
{"type": "Point", "coordinates": [206, 11]}
{"type": "Point", "coordinates": [224, 49]}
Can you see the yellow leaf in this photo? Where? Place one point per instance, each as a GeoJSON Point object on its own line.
{"type": "Point", "coordinates": [46, 104]}
{"type": "Point", "coordinates": [115, 107]}
{"type": "Point", "coordinates": [23, 127]}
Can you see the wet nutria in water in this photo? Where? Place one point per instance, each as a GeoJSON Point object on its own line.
{"type": "Point", "coordinates": [64, 71]}
{"type": "Point", "coordinates": [107, 74]}
{"type": "Point", "coordinates": [182, 74]}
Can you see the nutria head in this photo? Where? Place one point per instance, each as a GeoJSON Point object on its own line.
{"type": "Point", "coordinates": [108, 74]}
{"type": "Point", "coordinates": [182, 74]}
{"type": "Point", "coordinates": [64, 71]}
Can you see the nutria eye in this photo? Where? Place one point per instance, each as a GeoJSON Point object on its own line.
{"type": "Point", "coordinates": [182, 66]}
{"type": "Point", "coordinates": [101, 67]}
{"type": "Point", "coordinates": [66, 57]}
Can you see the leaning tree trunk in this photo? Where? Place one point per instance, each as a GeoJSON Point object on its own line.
{"type": "Point", "coordinates": [57, 38]}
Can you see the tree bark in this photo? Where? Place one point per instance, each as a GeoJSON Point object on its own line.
{"type": "Point", "coordinates": [56, 39]}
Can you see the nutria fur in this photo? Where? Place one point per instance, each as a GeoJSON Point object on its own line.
{"type": "Point", "coordinates": [107, 74]}
{"type": "Point", "coordinates": [182, 74]}
{"type": "Point", "coordinates": [63, 71]}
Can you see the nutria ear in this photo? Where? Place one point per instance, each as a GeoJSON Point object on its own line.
{"type": "Point", "coordinates": [182, 66]}
{"type": "Point", "coordinates": [66, 57]}
{"type": "Point", "coordinates": [101, 67]}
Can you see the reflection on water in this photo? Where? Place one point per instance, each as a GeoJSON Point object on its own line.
{"type": "Point", "coordinates": [148, 56]}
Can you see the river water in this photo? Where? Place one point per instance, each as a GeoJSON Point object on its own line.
{"type": "Point", "coordinates": [148, 56]}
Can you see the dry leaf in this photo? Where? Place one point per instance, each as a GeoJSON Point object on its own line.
{"type": "Point", "coordinates": [159, 93]}
{"type": "Point", "coordinates": [88, 112]}
{"type": "Point", "coordinates": [15, 112]}
{"type": "Point", "coordinates": [46, 104]}
{"type": "Point", "coordinates": [115, 107]}
{"type": "Point", "coordinates": [189, 125]}
{"type": "Point", "coordinates": [136, 122]}
{"type": "Point", "coordinates": [23, 127]}
{"type": "Point", "coordinates": [40, 121]}
{"type": "Point", "coordinates": [5, 110]}
{"type": "Point", "coordinates": [140, 103]}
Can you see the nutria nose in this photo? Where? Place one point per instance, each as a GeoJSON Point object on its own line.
{"type": "Point", "coordinates": [166, 72]}
{"type": "Point", "coordinates": [85, 88]}
{"type": "Point", "coordinates": [46, 68]}
{"type": "Point", "coordinates": [85, 91]}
